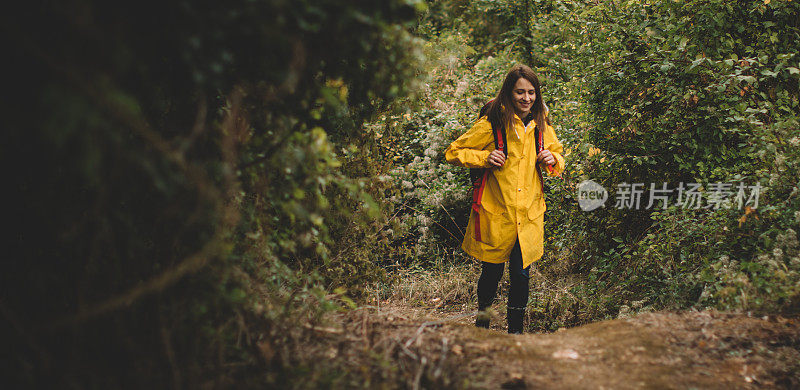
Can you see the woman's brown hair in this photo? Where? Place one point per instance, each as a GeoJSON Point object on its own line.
{"type": "Point", "coordinates": [503, 118]}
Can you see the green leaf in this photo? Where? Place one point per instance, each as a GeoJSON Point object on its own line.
{"type": "Point", "coordinates": [682, 43]}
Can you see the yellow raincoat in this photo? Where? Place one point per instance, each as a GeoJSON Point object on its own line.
{"type": "Point", "coordinates": [513, 204]}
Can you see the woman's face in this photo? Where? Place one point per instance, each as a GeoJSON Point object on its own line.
{"type": "Point", "coordinates": [523, 95]}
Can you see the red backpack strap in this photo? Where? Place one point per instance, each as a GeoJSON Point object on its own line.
{"type": "Point", "coordinates": [477, 195]}
{"type": "Point", "coordinates": [500, 142]}
{"type": "Point", "coordinates": [479, 185]}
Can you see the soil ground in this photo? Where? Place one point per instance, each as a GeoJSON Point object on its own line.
{"type": "Point", "coordinates": [663, 350]}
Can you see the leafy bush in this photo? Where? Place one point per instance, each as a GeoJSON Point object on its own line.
{"type": "Point", "coordinates": [191, 190]}
{"type": "Point", "coordinates": [654, 92]}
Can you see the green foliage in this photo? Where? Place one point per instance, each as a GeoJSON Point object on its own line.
{"type": "Point", "coordinates": [649, 92]}
{"type": "Point", "coordinates": [696, 92]}
{"type": "Point", "coordinates": [185, 185]}
{"type": "Point", "coordinates": [194, 186]}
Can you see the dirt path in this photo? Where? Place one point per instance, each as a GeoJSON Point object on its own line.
{"type": "Point", "coordinates": [704, 350]}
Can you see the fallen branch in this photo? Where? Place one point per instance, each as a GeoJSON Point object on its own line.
{"type": "Point", "coordinates": [322, 329]}
{"type": "Point", "coordinates": [436, 323]}
{"type": "Point", "coordinates": [424, 361]}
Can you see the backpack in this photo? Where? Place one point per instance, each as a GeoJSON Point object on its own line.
{"type": "Point", "coordinates": [479, 176]}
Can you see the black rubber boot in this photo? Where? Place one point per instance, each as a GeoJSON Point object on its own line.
{"type": "Point", "coordinates": [482, 320]}
{"type": "Point", "coordinates": [514, 316]}
{"type": "Point", "coordinates": [483, 317]}
{"type": "Point", "coordinates": [487, 290]}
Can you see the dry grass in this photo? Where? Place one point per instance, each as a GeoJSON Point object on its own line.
{"type": "Point", "coordinates": [446, 286]}
{"type": "Point", "coordinates": [450, 288]}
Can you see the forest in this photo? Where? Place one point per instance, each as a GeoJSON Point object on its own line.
{"type": "Point", "coordinates": [254, 194]}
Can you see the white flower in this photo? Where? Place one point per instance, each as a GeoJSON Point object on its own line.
{"type": "Point", "coordinates": [435, 199]}
{"type": "Point", "coordinates": [763, 258]}
{"type": "Point", "coordinates": [779, 159]}
{"type": "Point", "coordinates": [424, 220]}
{"type": "Point", "coordinates": [424, 231]}
{"type": "Point", "coordinates": [773, 265]}
{"type": "Point", "coordinates": [461, 87]}
{"type": "Point", "coordinates": [452, 125]}
{"type": "Point", "coordinates": [791, 238]}
{"type": "Point", "coordinates": [743, 279]}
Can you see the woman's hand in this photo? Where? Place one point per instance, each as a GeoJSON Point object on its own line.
{"type": "Point", "coordinates": [547, 157]}
{"type": "Point", "coordinates": [496, 158]}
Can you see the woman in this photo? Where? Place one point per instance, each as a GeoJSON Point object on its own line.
{"type": "Point", "coordinates": [510, 218]}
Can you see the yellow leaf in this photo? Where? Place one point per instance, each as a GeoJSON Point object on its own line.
{"type": "Point", "coordinates": [747, 211]}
